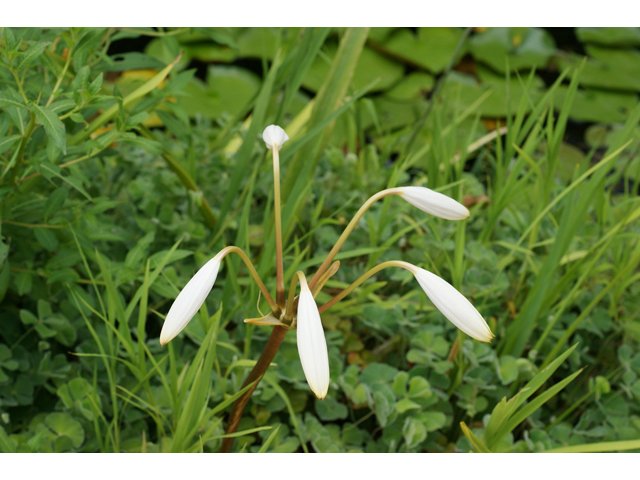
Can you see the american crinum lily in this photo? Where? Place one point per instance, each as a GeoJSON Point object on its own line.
{"type": "Point", "coordinates": [301, 312]}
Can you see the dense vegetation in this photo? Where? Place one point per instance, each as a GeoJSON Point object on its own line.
{"type": "Point", "coordinates": [131, 156]}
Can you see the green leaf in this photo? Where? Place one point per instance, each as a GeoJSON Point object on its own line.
{"type": "Point", "coordinates": [371, 67]}
{"type": "Point", "coordinates": [404, 404]}
{"type": "Point", "coordinates": [414, 432]}
{"type": "Point", "coordinates": [269, 440]}
{"type": "Point", "coordinates": [419, 388]}
{"type": "Point", "coordinates": [330, 409]}
{"type": "Point", "coordinates": [23, 282]}
{"type": "Point", "coordinates": [10, 39]}
{"type": "Point", "coordinates": [65, 425]}
{"type": "Point", "coordinates": [504, 410]}
{"type": "Point", "coordinates": [48, 169]}
{"type": "Point", "coordinates": [52, 125]}
{"type": "Point", "coordinates": [432, 420]}
{"type": "Point", "coordinates": [508, 369]}
{"type": "Point", "coordinates": [6, 99]}
{"type": "Point", "coordinates": [25, 59]}
{"type": "Point", "coordinates": [475, 441]}
{"type": "Point", "coordinates": [378, 372]}
{"type": "Point", "coordinates": [609, 68]}
{"type": "Point", "coordinates": [527, 410]}
{"type": "Point", "coordinates": [525, 48]}
{"type": "Point", "coordinates": [7, 444]}
{"type": "Point", "coordinates": [6, 142]}
{"type": "Point", "coordinates": [598, 447]}
{"type": "Point", "coordinates": [432, 48]}
{"type": "Point", "coordinates": [55, 201]}
{"type": "Point", "coordinates": [46, 238]}
{"type": "Point", "coordinates": [28, 318]}
{"type": "Point", "coordinates": [614, 36]}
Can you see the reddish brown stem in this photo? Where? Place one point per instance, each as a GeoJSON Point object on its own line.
{"type": "Point", "coordinates": [270, 350]}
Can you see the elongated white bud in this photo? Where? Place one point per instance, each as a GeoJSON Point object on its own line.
{"type": "Point", "coordinates": [274, 136]}
{"type": "Point", "coordinates": [434, 203]}
{"type": "Point", "coordinates": [189, 300]}
{"type": "Point", "coordinates": [312, 346]}
{"type": "Point", "coordinates": [454, 305]}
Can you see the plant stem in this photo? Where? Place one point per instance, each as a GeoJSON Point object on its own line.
{"type": "Point", "coordinates": [274, 307]}
{"type": "Point", "coordinates": [19, 83]}
{"type": "Point", "coordinates": [60, 78]}
{"type": "Point", "coordinates": [329, 273]}
{"type": "Point", "coordinates": [27, 134]}
{"type": "Point", "coordinates": [280, 297]}
{"type": "Point", "coordinates": [288, 311]}
{"type": "Point", "coordinates": [347, 231]}
{"type": "Point", "coordinates": [363, 278]}
{"type": "Point", "coordinates": [270, 350]}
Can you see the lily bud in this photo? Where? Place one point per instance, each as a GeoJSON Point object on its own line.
{"type": "Point", "coordinates": [312, 345]}
{"type": "Point", "coordinates": [434, 203]}
{"type": "Point", "coordinates": [454, 305]}
{"type": "Point", "coordinates": [189, 300]}
{"type": "Point", "coordinates": [274, 136]}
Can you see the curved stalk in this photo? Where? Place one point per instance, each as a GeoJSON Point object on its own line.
{"type": "Point", "coordinates": [365, 277]}
{"type": "Point", "coordinates": [299, 276]}
{"type": "Point", "coordinates": [274, 306]}
{"type": "Point", "coordinates": [329, 273]}
{"type": "Point", "coordinates": [347, 231]}
{"type": "Point", "coordinates": [278, 227]}
{"type": "Point", "coordinates": [288, 311]}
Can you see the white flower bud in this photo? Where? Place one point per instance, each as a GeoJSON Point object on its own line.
{"type": "Point", "coordinates": [274, 136]}
{"type": "Point", "coordinates": [312, 345]}
{"type": "Point", "coordinates": [189, 300]}
{"type": "Point", "coordinates": [454, 305]}
{"type": "Point", "coordinates": [434, 203]}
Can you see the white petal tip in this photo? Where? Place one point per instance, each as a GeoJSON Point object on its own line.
{"type": "Point", "coordinates": [434, 203]}
{"type": "Point", "coordinates": [274, 136]}
{"type": "Point", "coordinates": [321, 396]}
{"type": "Point", "coordinates": [454, 306]}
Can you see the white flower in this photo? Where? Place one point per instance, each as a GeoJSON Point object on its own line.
{"type": "Point", "coordinates": [312, 345]}
{"type": "Point", "coordinates": [434, 203]}
{"type": "Point", "coordinates": [273, 136]}
{"type": "Point", "coordinates": [189, 300]}
{"type": "Point", "coordinates": [454, 305]}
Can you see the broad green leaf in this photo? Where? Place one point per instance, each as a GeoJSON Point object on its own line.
{"type": "Point", "coordinates": [607, 68]}
{"type": "Point", "coordinates": [431, 48]}
{"type": "Point", "coordinates": [414, 432]}
{"type": "Point", "coordinates": [525, 48]}
{"type": "Point", "coordinates": [65, 425]}
{"type": "Point", "coordinates": [614, 36]}
{"type": "Point", "coordinates": [372, 67]}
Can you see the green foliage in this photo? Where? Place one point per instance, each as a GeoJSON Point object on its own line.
{"type": "Point", "coordinates": [124, 173]}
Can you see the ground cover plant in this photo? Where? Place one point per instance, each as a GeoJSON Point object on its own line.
{"type": "Point", "coordinates": [131, 156]}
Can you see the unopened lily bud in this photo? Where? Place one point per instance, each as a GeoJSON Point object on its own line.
{"type": "Point", "coordinates": [434, 203]}
{"type": "Point", "coordinates": [274, 136]}
{"type": "Point", "coordinates": [454, 305]}
{"type": "Point", "coordinates": [312, 346]}
{"type": "Point", "coordinates": [189, 301]}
